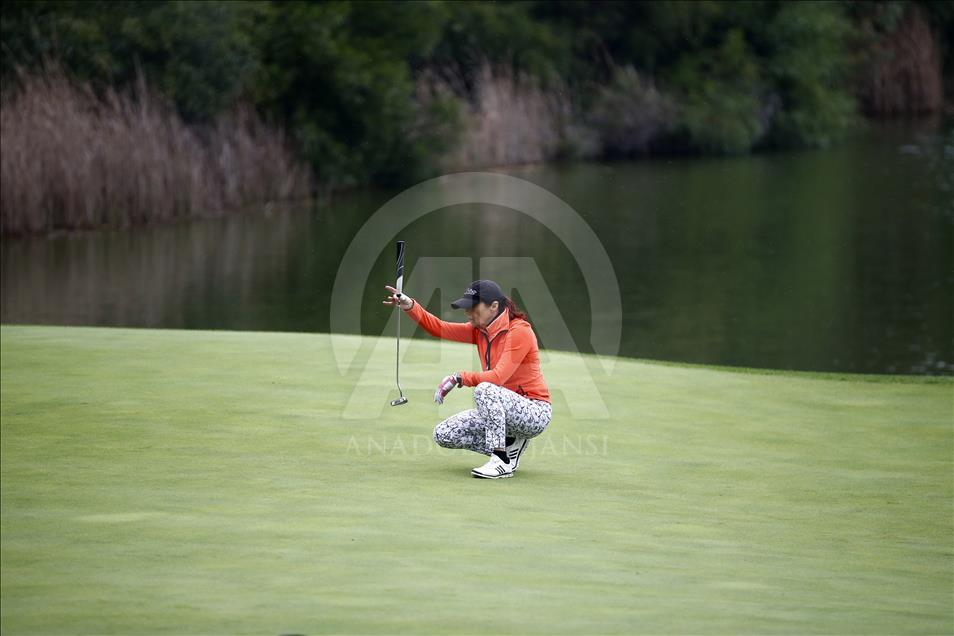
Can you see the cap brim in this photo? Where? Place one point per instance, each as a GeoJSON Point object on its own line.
{"type": "Point", "coordinates": [463, 303]}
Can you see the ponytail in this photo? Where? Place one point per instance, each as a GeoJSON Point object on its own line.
{"type": "Point", "coordinates": [515, 312]}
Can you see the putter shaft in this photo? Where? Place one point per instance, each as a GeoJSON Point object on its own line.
{"type": "Point", "coordinates": [397, 361]}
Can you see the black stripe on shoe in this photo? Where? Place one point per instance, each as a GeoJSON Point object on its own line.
{"type": "Point", "coordinates": [518, 452]}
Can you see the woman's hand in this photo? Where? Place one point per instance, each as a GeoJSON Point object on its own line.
{"type": "Point", "coordinates": [397, 299]}
{"type": "Point", "coordinates": [445, 387]}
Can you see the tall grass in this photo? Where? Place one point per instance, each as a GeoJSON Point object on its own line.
{"type": "Point", "coordinates": [71, 159]}
{"type": "Point", "coordinates": [905, 76]}
{"type": "Point", "coordinates": [510, 119]}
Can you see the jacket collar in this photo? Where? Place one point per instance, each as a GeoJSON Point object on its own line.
{"type": "Point", "coordinates": [500, 323]}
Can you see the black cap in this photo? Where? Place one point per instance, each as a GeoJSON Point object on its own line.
{"type": "Point", "coordinates": [486, 291]}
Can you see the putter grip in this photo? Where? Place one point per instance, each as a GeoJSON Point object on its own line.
{"type": "Point", "coordinates": [400, 266]}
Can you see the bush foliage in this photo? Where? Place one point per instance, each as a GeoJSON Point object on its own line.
{"type": "Point", "coordinates": [345, 78]}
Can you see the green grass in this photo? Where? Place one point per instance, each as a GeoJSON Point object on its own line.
{"type": "Point", "coordinates": [163, 482]}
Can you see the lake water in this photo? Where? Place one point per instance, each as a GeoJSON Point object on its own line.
{"type": "Point", "coordinates": [831, 260]}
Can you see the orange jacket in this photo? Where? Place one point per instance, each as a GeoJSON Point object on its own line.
{"type": "Point", "coordinates": [508, 351]}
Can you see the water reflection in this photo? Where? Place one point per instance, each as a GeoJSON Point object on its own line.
{"type": "Point", "coordinates": [834, 260]}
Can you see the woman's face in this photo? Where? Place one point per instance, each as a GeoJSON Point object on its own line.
{"type": "Point", "coordinates": [482, 314]}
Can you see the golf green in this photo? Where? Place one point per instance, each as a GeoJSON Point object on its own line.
{"type": "Point", "coordinates": [180, 482]}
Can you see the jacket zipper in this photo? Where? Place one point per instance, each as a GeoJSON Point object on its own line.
{"type": "Point", "coordinates": [487, 353]}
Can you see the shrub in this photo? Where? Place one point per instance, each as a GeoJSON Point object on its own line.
{"type": "Point", "coordinates": [630, 114]}
{"type": "Point", "coordinates": [807, 66]}
{"type": "Point", "coordinates": [720, 99]}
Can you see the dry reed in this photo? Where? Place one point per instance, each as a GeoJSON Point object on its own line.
{"type": "Point", "coordinates": [70, 159]}
{"type": "Point", "coordinates": [905, 77]}
{"type": "Point", "coordinates": [511, 119]}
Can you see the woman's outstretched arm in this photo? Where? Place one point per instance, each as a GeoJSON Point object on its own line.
{"type": "Point", "coordinates": [457, 331]}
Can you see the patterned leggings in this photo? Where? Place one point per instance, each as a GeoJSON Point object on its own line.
{"type": "Point", "coordinates": [500, 413]}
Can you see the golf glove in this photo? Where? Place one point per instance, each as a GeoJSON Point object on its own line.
{"type": "Point", "coordinates": [398, 299]}
{"type": "Point", "coordinates": [445, 387]}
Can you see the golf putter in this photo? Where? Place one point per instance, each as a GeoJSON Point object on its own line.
{"type": "Point", "coordinates": [400, 287]}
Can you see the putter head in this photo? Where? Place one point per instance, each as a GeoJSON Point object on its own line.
{"type": "Point", "coordinates": [398, 402]}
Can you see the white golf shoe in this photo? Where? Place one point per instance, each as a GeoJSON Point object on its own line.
{"type": "Point", "coordinates": [515, 451]}
{"type": "Point", "coordinates": [495, 468]}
